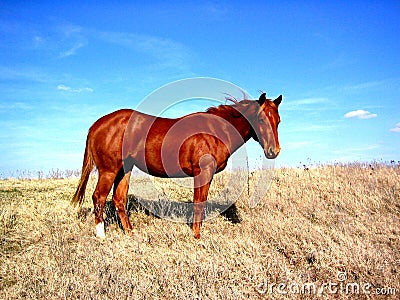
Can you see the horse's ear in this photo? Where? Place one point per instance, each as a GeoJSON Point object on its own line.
{"type": "Point", "coordinates": [262, 99]}
{"type": "Point", "coordinates": [278, 101]}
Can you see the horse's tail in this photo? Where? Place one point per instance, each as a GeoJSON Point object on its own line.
{"type": "Point", "coordinates": [87, 167]}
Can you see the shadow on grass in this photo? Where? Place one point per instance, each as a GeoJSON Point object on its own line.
{"type": "Point", "coordinates": [165, 209]}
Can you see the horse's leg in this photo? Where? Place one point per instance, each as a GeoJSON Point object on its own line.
{"type": "Point", "coordinates": [200, 198]}
{"type": "Point", "coordinates": [121, 186]}
{"type": "Point", "coordinates": [202, 182]}
{"type": "Point", "coordinates": [99, 197]}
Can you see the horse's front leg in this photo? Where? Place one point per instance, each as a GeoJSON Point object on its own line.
{"type": "Point", "coordinates": [200, 198]}
{"type": "Point", "coordinates": [202, 182]}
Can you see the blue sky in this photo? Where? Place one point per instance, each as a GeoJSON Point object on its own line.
{"type": "Point", "coordinates": [63, 64]}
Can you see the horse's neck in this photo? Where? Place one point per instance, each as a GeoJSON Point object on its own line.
{"type": "Point", "coordinates": [242, 126]}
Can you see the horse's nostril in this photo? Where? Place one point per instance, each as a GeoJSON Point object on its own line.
{"type": "Point", "coordinates": [271, 152]}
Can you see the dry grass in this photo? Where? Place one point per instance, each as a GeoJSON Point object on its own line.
{"type": "Point", "coordinates": [312, 226]}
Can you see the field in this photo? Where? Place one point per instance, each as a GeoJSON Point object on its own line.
{"type": "Point", "coordinates": [319, 232]}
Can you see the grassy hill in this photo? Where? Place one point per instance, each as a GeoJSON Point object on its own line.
{"type": "Point", "coordinates": [331, 231]}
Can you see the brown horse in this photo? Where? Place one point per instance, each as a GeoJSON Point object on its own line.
{"type": "Point", "coordinates": [196, 145]}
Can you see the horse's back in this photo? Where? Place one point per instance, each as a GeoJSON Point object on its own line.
{"type": "Point", "coordinates": [110, 119]}
{"type": "Point", "coordinates": [105, 139]}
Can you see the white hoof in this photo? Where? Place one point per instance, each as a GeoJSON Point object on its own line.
{"type": "Point", "coordinates": [100, 231]}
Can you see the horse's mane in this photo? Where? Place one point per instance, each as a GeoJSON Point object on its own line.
{"type": "Point", "coordinates": [233, 109]}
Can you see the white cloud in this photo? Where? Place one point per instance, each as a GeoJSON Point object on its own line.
{"type": "Point", "coordinates": [4, 106]}
{"type": "Point", "coordinates": [62, 87]}
{"type": "Point", "coordinates": [86, 89]}
{"type": "Point", "coordinates": [310, 101]}
{"type": "Point", "coordinates": [307, 104]}
{"type": "Point", "coordinates": [365, 85]}
{"type": "Point", "coordinates": [168, 53]}
{"type": "Point", "coordinates": [396, 128]}
{"type": "Point", "coordinates": [71, 38]}
{"type": "Point", "coordinates": [73, 49]}
{"type": "Point", "coordinates": [29, 74]}
{"type": "Point", "coordinates": [389, 82]}
{"type": "Point", "coordinates": [360, 114]}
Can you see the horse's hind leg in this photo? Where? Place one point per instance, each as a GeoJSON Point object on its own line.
{"type": "Point", "coordinates": [99, 197]}
{"type": "Point", "coordinates": [121, 186]}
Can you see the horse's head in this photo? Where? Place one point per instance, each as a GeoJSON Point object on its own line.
{"type": "Point", "coordinates": [265, 125]}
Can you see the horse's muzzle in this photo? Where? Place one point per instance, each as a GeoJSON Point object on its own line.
{"type": "Point", "coordinates": [272, 153]}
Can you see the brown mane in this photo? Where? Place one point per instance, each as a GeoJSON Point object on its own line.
{"type": "Point", "coordinates": [232, 110]}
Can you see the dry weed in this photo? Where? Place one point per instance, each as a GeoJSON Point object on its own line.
{"type": "Point", "coordinates": [329, 224]}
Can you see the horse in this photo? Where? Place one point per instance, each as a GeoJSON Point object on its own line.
{"type": "Point", "coordinates": [196, 145]}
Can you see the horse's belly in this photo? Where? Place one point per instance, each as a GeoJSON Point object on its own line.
{"type": "Point", "coordinates": [163, 167]}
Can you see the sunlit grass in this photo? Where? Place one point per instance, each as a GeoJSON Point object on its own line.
{"type": "Point", "coordinates": [313, 224]}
